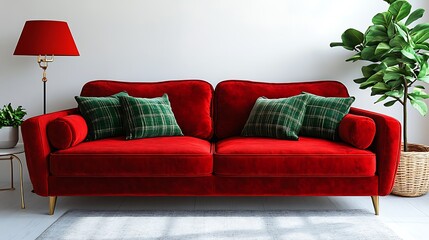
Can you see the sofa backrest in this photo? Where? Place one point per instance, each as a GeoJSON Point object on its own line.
{"type": "Point", "coordinates": [234, 99]}
{"type": "Point", "coordinates": [191, 100]}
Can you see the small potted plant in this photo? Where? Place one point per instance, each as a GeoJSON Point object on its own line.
{"type": "Point", "coordinates": [398, 52]}
{"type": "Point", "coordinates": [10, 120]}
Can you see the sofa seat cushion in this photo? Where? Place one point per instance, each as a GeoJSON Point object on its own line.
{"type": "Point", "coordinates": [313, 157]}
{"type": "Point", "coordinates": [148, 157]}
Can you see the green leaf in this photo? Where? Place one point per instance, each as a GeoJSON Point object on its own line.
{"type": "Point", "coordinates": [376, 33]}
{"type": "Point", "coordinates": [398, 43]}
{"type": "Point", "coordinates": [390, 1]}
{"type": "Point", "coordinates": [371, 81]}
{"type": "Point", "coordinates": [414, 16]}
{"type": "Point", "coordinates": [419, 94]}
{"type": "Point", "coordinates": [408, 53]}
{"type": "Point", "coordinates": [379, 88]}
{"type": "Point", "coordinates": [403, 33]}
{"type": "Point", "coordinates": [390, 61]}
{"type": "Point", "coordinates": [424, 79]}
{"type": "Point", "coordinates": [391, 76]}
{"type": "Point", "coordinates": [382, 98]}
{"type": "Point", "coordinates": [390, 103]}
{"type": "Point", "coordinates": [336, 44]}
{"type": "Point", "coordinates": [407, 61]}
{"type": "Point", "coordinates": [368, 71]}
{"type": "Point", "coordinates": [395, 68]}
{"type": "Point", "coordinates": [409, 72]}
{"type": "Point", "coordinates": [391, 30]}
{"type": "Point", "coordinates": [380, 66]}
{"type": "Point", "coordinates": [422, 57]}
{"type": "Point", "coordinates": [382, 48]}
{"type": "Point", "coordinates": [395, 93]}
{"type": "Point", "coordinates": [382, 19]}
{"type": "Point", "coordinates": [354, 58]}
{"type": "Point", "coordinates": [396, 84]}
{"type": "Point", "coordinates": [419, 27]}
{"type": "Point", "coordinates": [367, 84]}
{"type": "Point", "coordinates": [423, 70]}
{"type": "Point", "coordinates": [359, 80]}
{"type": "Point", "coordinates": [400, 9]}
{"type": "Point", "coordinates": [368, 53]}
{"type": "Point", "coordinates": [420, 106]}
{"type": "Point", "coordinates": [420, 33]}
{"type": "Point", "coordinates": [376, 91]}
{"type": "Point", "coordinates": [422, 46]}
{"type": "Point", "coordinates": [351, 38]}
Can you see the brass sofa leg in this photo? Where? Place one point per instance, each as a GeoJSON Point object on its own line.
{"type": "Point", "coordinates": [375, 203]}
{"type": "Point", "coordinates": [52, 203]}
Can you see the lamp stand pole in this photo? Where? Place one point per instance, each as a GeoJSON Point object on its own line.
{"type": "Point", "coordinates": [44, 97]}
{"type": "Point", "coordinates": [43, 64]}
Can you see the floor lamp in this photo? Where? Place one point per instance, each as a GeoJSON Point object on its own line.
{"type": "Point", "coordinates": [46, 39]}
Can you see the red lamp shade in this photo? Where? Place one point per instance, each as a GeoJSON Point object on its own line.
{"type": "Point", "coordinates": [46, 37]}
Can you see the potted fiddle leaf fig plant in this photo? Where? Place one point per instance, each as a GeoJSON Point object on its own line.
{"type": "Point", "coordinates": [10, 120]}
{"type": "Point", "coordinates": [397, 50]}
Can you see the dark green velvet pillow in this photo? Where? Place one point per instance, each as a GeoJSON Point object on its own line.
{"type": "Point", "coordinates": [149, 117]}
{"type": "Point", "coordinates": [323, 115]}
{"type": "Point", "coordinates": [277, 118]}
{"type": "Point", "coordinates": [102, 115]}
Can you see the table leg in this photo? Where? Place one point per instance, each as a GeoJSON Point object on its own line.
{"type": "Point", "coordinates": [11, 173]}
{"type": "Point", "coordinates": [21, 181]}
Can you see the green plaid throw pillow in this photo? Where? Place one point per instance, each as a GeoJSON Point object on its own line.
{"type": "Point", "coordinates": [277, 118]}
{"type": "Point", "coordinates": [102, 115]}
{"type": "Point", "coordinates": [149, 117]}
{"type": "Point", "coordinates": [323, 115]}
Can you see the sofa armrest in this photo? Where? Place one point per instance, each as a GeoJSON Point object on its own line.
{"type": "Point", "coordinates": [37, 148]}
{"type": "Point", "coordinates": [387, 147]}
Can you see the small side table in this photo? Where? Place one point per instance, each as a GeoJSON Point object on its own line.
{"type": "Point", "coordinates": [9, 154]}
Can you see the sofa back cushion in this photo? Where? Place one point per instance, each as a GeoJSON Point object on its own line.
{"type": "Point", "coordinates": [234, 99]}
{"type": "Point", "coordinates": [191, 100]}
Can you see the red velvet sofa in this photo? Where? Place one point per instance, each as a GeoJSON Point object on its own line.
{"type": "Point", "coordinates": [212, 159]}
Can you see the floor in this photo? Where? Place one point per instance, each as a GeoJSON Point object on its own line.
{"type": "Point", "coordinates": [408, 217]}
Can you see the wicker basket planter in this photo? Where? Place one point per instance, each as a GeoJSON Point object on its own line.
{"type": "Point", "coordinates": [412, 178]}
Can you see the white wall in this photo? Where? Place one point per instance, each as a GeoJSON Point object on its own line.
{"type": "Point", "coordinates": [152, 40]}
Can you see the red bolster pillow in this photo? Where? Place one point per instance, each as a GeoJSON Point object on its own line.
{"type": "Point", "coordinates": [66, 132]}
{"type": "Point", "coordinates": [358, 131]}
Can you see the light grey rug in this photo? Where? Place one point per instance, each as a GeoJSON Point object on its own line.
{"type": "Point", "coordinates": [190, 225]}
